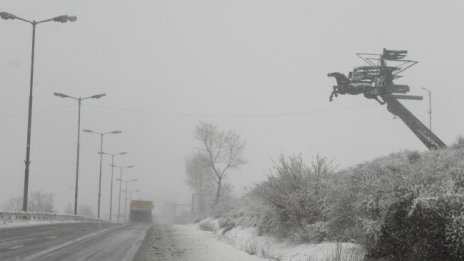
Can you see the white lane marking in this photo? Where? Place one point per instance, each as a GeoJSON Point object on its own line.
{"type": "Point", "coordinates": [136, 244]}
{"type": "Point", "coordinates": [46, 251]}
{"type": "Point", "coordinates": [51, 237]}
{"type": "Point", "coordinates": [15, 247]}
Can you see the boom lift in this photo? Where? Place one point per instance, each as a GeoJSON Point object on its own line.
{"type": "Point", "coordinates": [375, 81]}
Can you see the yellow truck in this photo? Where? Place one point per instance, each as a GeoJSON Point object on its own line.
{"type": "Point", "coordinates": [140, 211]}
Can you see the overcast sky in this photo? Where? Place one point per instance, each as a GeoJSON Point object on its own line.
{"type": "Point", "coordinates": [258, 67]}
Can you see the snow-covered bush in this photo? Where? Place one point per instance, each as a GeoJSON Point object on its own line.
{"type": "Point", "coordinates": [405, 206]}
{"type": "Point", "coordinates": [455, 235]}
{"type": "Point", "coordinates": [422, 229]}
{"type": "Point", "coordinates": [295, 197]}
{"type": "Point", "coordinates": [209, 224]}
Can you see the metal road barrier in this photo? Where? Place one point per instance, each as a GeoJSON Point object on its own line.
{"type": "Point", "coordinates": [18, 217]}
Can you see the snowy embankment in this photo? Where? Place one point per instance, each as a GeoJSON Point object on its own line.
{"type": "Point", "coordinates": [271, 248]}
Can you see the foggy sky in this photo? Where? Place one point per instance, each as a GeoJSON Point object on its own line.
{"type": "Point", "coordinates": [258, 67]}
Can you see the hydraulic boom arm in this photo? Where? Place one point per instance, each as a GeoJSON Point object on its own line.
{"type": "Point", "coordinates": [427, 137]}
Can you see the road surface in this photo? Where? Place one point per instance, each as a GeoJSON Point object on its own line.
{"type": "Point", "coordinates": [71, 241]}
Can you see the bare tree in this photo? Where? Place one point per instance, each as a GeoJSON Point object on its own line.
{"type": "Point", "coordinates": [223, 151]}
{"type": "Point", "coordinates": [13, 204]}
{"type": "Point", "coordinates": [200, 176]}
{"type": "Point", "coordinates": [38, 201]}
{"type": "Point", "coordinates": [41, 201]}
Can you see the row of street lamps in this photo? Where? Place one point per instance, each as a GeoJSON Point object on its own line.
{"type": "Point", "coordinates": [34, 23]}
{"type": "Point", "coordinates": [79, 102]}
{"type": "Point", "coordinates": [64, 19]}
{"type": "Point", "coordinates": [120, 188]}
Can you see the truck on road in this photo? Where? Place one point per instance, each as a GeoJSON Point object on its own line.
{"type": "Point", "coordinates": [140, 211]}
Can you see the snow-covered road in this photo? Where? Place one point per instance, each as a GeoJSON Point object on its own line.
{"type": "Point", "coordinates": [71, 241]}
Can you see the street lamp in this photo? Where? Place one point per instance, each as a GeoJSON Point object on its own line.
{"type": "Point", "coordinates": [34, 23]}
{"type": "Point", "coordinates": [101, 158]}
{"type": "Point", "coordinates": [130, 194]}
{"type": "Point", "coordinates": [430, 106]}
{"type": "Point", "coordinates": [130, 198]}
{"type": "Point", "coordinates": [125, 196]}
{"type": "Point", "coordinates": [112, 170]}
{"type": "Point", "coordinates": [120, 185]}
{"type": "Point", "coordinates": [79, 100]}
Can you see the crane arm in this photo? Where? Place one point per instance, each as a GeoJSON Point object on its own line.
{"type": "Point", "coordinates": [427, 137]}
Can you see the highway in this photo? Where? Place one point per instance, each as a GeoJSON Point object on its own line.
{"type": "Point", "coordinates": [71, 241]}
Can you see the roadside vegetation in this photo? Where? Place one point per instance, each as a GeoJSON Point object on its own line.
{"type": "Point", "coordinates": [405, 206]}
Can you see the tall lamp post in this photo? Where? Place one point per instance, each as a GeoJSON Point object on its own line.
{"type": "Point", "coordinates": [101, 159]}
{"type": "Point", "coordinates": [112, 171]}
{"type": "Point", "coordinates": [125, 196]}
{"type": "Point", "coordinates": [34, 23]}
{"type": "Point", "coordinates": [120, 185]}
{"type": "Point", "coordinates": [130, 194]}
{"type": "Point", "coordinates": [430, 106]}
{"type": "Point", "coordinates": [130, 198]}
{"type": "Point", "coordinates": [79, 100]}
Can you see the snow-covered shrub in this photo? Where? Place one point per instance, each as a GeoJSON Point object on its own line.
{"type": "Point", "coordinates": [295, 195]}
{"type": "Point", "coordinates": [316, 232]}
{"type": "Point", "coordinates": [455, 235]}
{"type": "Point", "coordinates": [267, 253]}
{"type": "Point", "coordinates": [226, 225]}
{"type": "Point", "coordinates": [405, 206]}
{"type": "Point", "coordinates": [251, 246]}
{"type": "Point", "coordinates": [209, 224]}
{"type": "Point", "coordinates": [459, 144]}
{"type": "Point", "coordinates": [422, 229]}
{"type": "Point", "coordinates": [413, 156]}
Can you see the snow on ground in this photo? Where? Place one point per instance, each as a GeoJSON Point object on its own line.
{"type": "Point", "coordinates": [189, 243]}
{"type": "Point", "coordinates": [270, 248]}
{"type": "Point", "coordinates": [203, 246]}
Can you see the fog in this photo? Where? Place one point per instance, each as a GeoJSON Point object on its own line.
{"type": "Point", "coordinates": [256, 67]}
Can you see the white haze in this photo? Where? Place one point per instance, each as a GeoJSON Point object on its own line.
{"type": "Point", "coordinates": [258, 67]}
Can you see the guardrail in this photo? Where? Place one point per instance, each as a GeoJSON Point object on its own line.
{"type": "Point", "coordinates": [18, 217]}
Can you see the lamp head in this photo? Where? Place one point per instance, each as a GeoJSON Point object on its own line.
{"type": "Point", "coordinates": [6, 16]}
{"type": "Point", "coordinates": [86, 130]}
{"type": "Point", "coordinates": [98, 96]}
{"type": "Point", "coordinates": [61, 95]}
{"type": "Point", "coordinates": [65, 18]}
{"type": "Point", "coordinates": [115, 132]}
